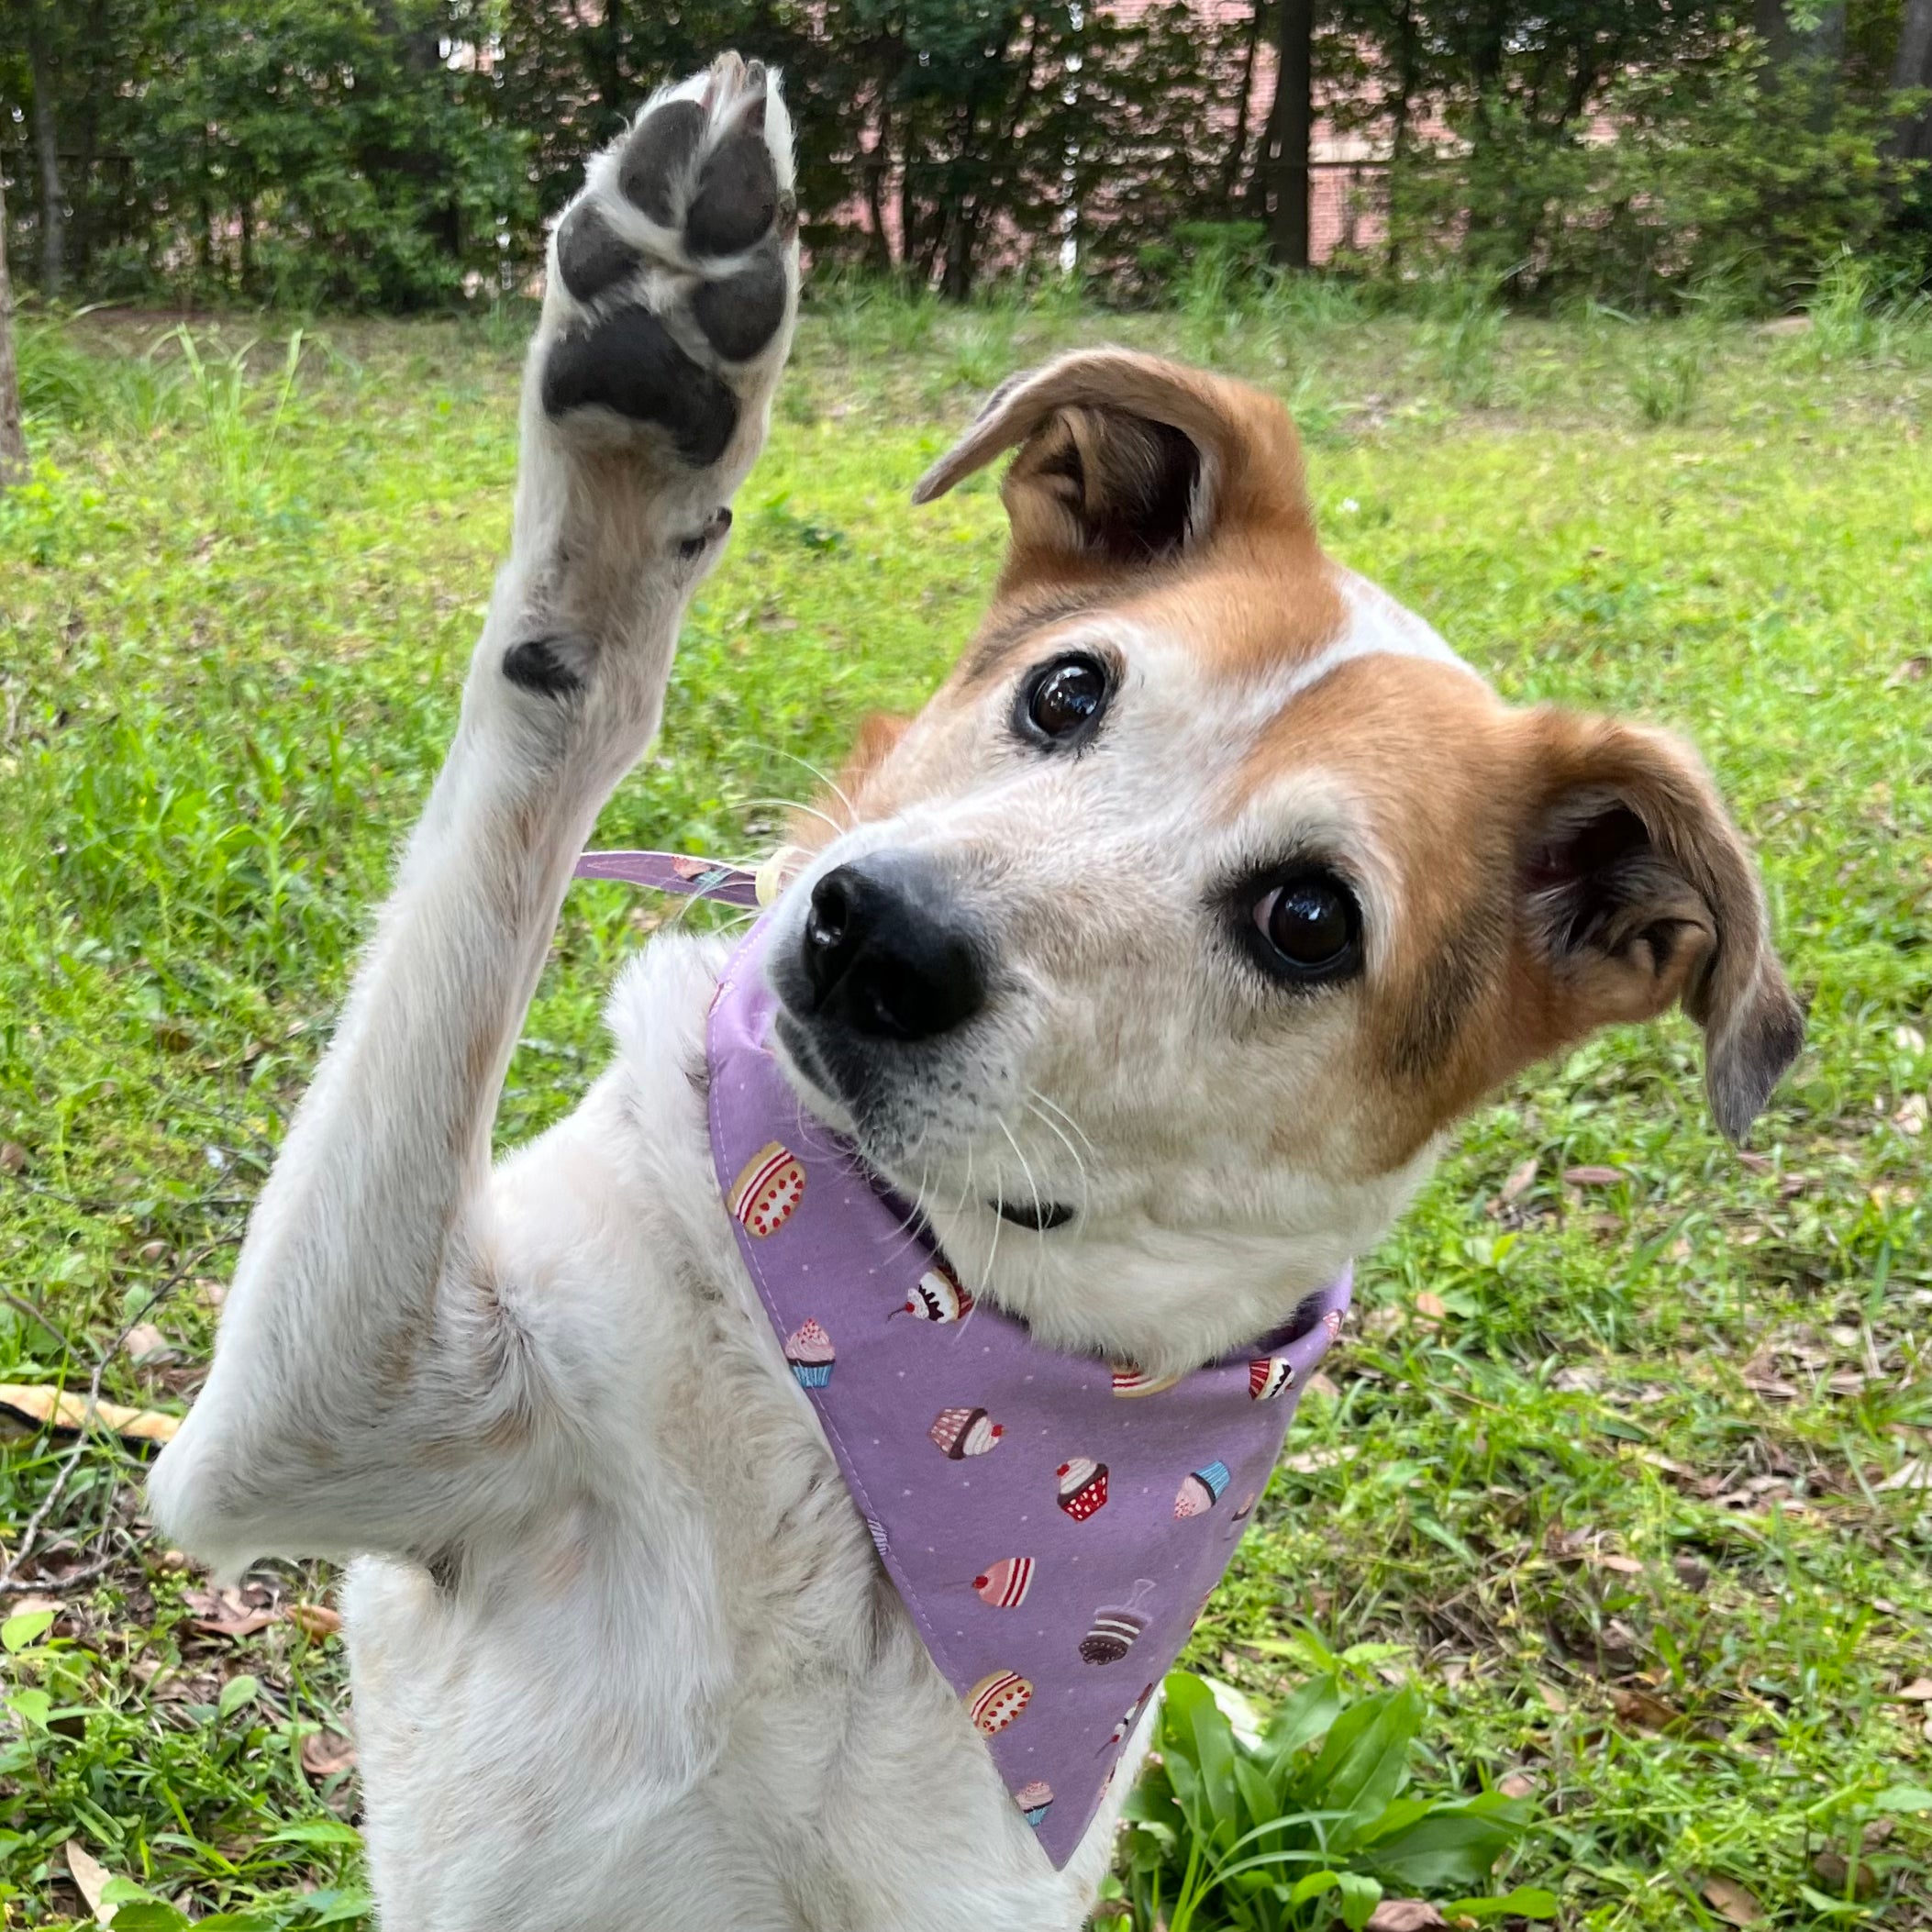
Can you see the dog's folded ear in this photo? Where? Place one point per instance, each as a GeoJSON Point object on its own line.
{"type": "Point", "coordinates": [1126, 460]}
{"type": "Point", "coordinates": [1637, 892]}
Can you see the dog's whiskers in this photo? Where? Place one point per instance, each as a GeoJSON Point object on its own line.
{"type": "Point", "coordinates": [1039, 1206]}
{"type": "Point", "coordinates": [831, 784]}
{"type": "Point", "coordinates": [1054, 1107]}
{"type": "Point", "coordinates": [799, 805]}
{"type": "Point", "coordinates": [1047, 1120]}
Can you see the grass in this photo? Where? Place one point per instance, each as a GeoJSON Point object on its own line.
{"type": "Point", "coordinates": [1620, 1467]}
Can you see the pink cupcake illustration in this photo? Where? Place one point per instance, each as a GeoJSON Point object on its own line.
{"type": "Point", "coordinates": [962, 1432]}
{"type": "Point", "coordinates": [1200, 1492]}
{"type": "Point", "coordinates": [1004, 1584]}
{"type": "Point", "coordinates": [809, 1351]}
{"type": "Point", "coordinates": [1034, 1800]}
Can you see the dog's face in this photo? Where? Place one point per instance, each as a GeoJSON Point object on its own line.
{"type": "Point", "coordinates": [1212, 887]}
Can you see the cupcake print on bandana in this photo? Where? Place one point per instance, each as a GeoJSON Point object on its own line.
{"type": "Point", "coordinates": [938, 1296]}
{"type": "Point", "coordinates": [959, 1433]}
{"type": "Point", "coordinates": [1083, 1486]}
{"type": "Point", "coordinates": [1051, 1522]}
{"type": "Point", "coordinates": [768, 1190]}
{"type": "Point", "coordinates": [1115, 1631]}
{"type": "Point", "coordinates": [1034, 1800]}
{"type": "Point", "coordinates": [809, 1351]}
{"type": "Point", "coordinates": [1201, 1491]}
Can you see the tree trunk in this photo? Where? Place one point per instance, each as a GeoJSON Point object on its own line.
{"type": "Point", "coordinates": [1238, 145]}
{"type": "Point", "coordinates": [13, 444]}
{"type": "Point", "coordinates": [1295, 92]}
{"type": "Point", "coordinates": [47, 146]}
{"type": "Point", "coordinates": [1912, 140]}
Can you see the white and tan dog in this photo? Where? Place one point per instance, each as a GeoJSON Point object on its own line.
{"type": "Point", "coordinates": [1208, 893]}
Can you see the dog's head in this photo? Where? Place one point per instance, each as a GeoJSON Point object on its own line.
{"type": "Point", "coordinates": [1212, 887]}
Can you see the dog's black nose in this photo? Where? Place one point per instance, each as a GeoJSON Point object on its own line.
{"type": "Point", "coordinates": [888, 951]}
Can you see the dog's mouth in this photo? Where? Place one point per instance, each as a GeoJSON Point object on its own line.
{"type": "Point", "coordinates": [1042, 1216]}
{"type": "Point", "coordinates": [844, 1090]}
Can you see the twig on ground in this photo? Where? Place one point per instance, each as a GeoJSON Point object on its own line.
{"type": "Point", "coordinates": [30, 1535]}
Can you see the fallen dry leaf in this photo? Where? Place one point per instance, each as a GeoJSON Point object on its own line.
{"type": "Point", "coordinates": [1594, 1176]}
{"type": "Point", "coordinates": [1610, 1559]}
{"type": "Point", "coordinates": [13, 1157]}
{"type": "Point", "coordinates": [317, 1620]}
{"type": "Point", "coordinates": [92, 1877]}
{"type": "Point", "coordinates": [1553, 1698]}
{"type": "Point", "coordinates": [1431, 1307]}
{"type": "Point", "coordinates": [227, 1613]}
{"type": "Point", "coordinates": [1919, 1690]}
{"type": "Point", "coordinates": [327, 1754]}
{"type": "Point", "coordinates": [1518, 1784]}
{"type": "Point", "coordinates": [1910, 1475]}
{"type": "Point", "coordinates": [1519, 1181]}
{"type": "Point", "coordinates": [1647, 1712]}
{"type": "Point", "coordinates": [1908, 672]}
{"type": "Point", "coordinates": [63, 1409]}
{"type": "Point", "coordinates": [1730, 1901]}
{"type": "Point", "coordinates": [1835, 1872]}
{"type": "Point", "coordinates": [1911, 1116]}
{"type": "Point", "coordinates": [1405, 1915]}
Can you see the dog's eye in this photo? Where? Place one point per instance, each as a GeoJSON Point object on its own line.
{"type": "Point", "coordinates": [1061, 704]}
{"type": "Point", "coordinates": [1310, 927]}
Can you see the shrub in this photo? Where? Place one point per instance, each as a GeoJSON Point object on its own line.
{"type": "Point", "coordinates": [1712, 169]}
{"type": "Point", "coordinates": [1308, 1825]}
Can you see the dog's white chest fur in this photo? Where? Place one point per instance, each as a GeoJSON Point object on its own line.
{"type": "Point", "coordinates": [686, 1675]}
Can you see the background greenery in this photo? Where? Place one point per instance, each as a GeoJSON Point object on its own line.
{"type": "Point", "coordinates": [399, 154]}
{"type": "Point", "coordinates": [1626, 1466]}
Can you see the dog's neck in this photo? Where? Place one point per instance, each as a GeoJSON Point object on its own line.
{"type": "Point", "coordinates": [1162, 1296]}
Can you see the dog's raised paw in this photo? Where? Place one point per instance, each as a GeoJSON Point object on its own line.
{"type": "Point", "coordinates": [674, 272]}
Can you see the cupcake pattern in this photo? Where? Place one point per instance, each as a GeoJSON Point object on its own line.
{"type": "Point", "coordinates": [997, 1699]}
{"type": "Point", "coordinates": [1083, 1489]}
{"type": "Point", "coordinates": [809, 1351]}
{"type": "Point", "coordinates": [938, 1296]}
{"type": "Point", "coordinates": [1115, 1631]}
{"type": "Point", "coordinates": [1269, 1377]}
{"type": "Point", "coordinates": [1201, 1491]}
{"type": "Point", "coordinates": [962, 1432]}
{"type": "Point", "coordinates": [768, 1190]}
{"type": "Point", "coordinates": [1004, 1584]}
{"type": "Point", "coordinates": [1033, 1800]}
{"type": "Point", "coordinates": [1040, 1514]}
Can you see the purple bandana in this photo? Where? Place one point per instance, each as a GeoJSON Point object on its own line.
{"type": "Point", "coordinates": [1054, 1523]}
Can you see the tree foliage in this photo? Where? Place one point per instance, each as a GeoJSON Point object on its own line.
{"type": "Point", "coordinates": [399, 153]}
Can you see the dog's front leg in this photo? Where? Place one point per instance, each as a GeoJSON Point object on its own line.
{"type": "Point", "coordinates": [368, 1372]}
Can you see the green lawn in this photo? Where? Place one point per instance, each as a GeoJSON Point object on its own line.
{"type": "Point", "coordinates": [1632, 1453]}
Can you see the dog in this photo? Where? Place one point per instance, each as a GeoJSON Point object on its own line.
{"type": "Point", "coordinates": [1153, 959]}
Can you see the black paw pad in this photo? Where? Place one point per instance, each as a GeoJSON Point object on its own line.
{"type": "Point", "coordinates": [535, 665]}
{"type": "Point", "coordinates": [737, 198]}
{"type": "Point", "coordinates": [628, 363]}
{"type": "Point", "coordinates": [741, 313]}
{"type": "Point", "coordinates": [659, 152]}
{"type": "Point", "coordinates": [591, 258]}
